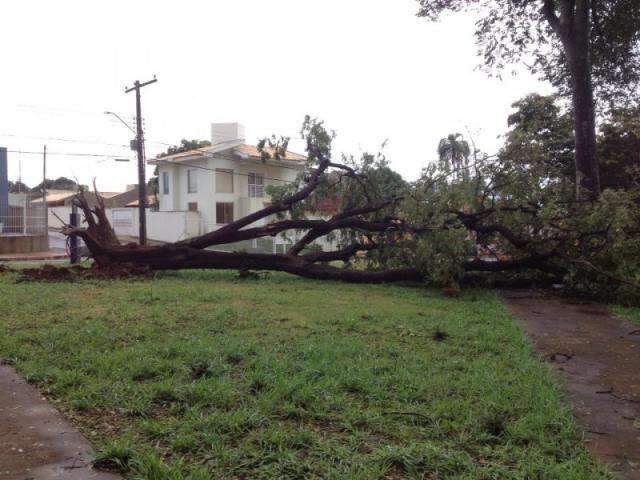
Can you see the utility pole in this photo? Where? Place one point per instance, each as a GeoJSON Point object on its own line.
{"type": "Point", "coordinates": [142, 181]}
{"type": "Point", "coordinates": [45, 208]}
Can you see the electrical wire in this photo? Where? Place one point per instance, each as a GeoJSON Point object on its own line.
{"type": "Point", "coordinates": [70, 154]}
{"type": "Point", "coordinates": [95, 155]}
{"type": "Point", "coordinates": [60, 111]}
{"type": "Point", "coordinates": [225, 171]}
{"type": "Point", "coordinates": [208, 155]}
{"type": "Point", "coordinates": [62, 139]}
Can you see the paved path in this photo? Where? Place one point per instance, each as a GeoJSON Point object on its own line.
{"type": "Point", "coordinates": [36, 443]}
{"type": "Point", "coordinates": [597, 356]}
{"type": "Point", "coordinates": [57, 251]}
{"type": "Point", "coordinates": [49, 255]}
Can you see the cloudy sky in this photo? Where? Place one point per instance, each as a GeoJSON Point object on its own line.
{"type": "Point", "coordinates": [370, 68]}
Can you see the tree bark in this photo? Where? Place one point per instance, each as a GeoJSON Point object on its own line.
{"type": "Point", "coordinates": [579, 59]}
{"type": "Point", "coordinates": [573, 27]}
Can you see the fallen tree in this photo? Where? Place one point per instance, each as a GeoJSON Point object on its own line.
{"type": "Point", "coordinates": [500, 216]}
{"type": "Point", "coordinates": [366, 219]}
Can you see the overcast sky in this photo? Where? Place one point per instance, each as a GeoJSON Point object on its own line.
{"type": "Point", "coordinates": [370, 68]}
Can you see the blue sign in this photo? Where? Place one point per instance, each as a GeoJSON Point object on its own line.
{"type": "Point", "coordinates": [4, 187]}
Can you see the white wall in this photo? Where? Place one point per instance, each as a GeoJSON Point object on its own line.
{"type": "Point", "coordinates": [206, 197]}
{"type": "Point", "coordinates": [172, 226]}
{"type": "Point", "coordinates": [124, 221]}
{"type": "Point", "coordinates": [161, 226]}
{"type": "Point", "coordinates": [64, 213]}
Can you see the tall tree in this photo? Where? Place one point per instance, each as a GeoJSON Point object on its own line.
{"type": "Point", "coordinates": [576, 44]}
{"type": "Point", "coordinates": [619, 149]}
{"type": "Point", "coordinates": [60, 183]}
{"type": "Point", "coordinates": [18, 187]}
{"type": "Point", "coordinates": [454, 151]}
{"type": "Point", "coordinates": [540, 136]}
{"type": "Point", "coordinates": [185, 146]}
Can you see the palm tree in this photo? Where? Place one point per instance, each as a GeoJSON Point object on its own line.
{"type": "Point", "coordinates": [454, 151]}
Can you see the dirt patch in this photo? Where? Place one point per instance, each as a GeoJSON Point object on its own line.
{"type": "Point", "coordinates": [52, 273]}
{"type": "Point", "coordinates": [597, 358]}
{"type": "Point", "coordinates": [35, 441]}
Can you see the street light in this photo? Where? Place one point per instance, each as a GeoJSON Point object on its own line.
{"type": "Point", "coordinates": [118, 117]}
{"type": "Point", "coordinates": [115, 159]}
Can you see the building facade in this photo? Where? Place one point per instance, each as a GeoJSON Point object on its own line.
{"type": "Point", "coordinates": [223, 182]}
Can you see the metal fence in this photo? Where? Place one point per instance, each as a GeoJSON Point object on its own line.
{"type": "Point", "coordinates": [23, 214]}
{"type": "Point", "coordinates": [22, 209]}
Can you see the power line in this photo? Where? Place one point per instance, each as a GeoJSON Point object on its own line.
{"type": "Point", "coordinates": [63, 139]}
{"type": "Point", "coordinates": [217, 170]}
{"type": "Point", "coordinates": [61, 111]}
{"type": "Point", "coordinates": [210, 155]}
{"type": "Point", "coordinates": [58, 110]}
{"type": "Point", "coordinates": [99, 155]}
{"type": "Point", "coordinates": [70, 154]}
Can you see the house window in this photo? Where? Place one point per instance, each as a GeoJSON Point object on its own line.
{"type": "Point", "coordinates": [165, 183]}
{"type": "Point", "coordinates": [224, 212]}
{"type": "Point", "coordinates": [192, 206]}
{"type": "Point", "coordinates": [224, 181]}
{"type": "Point", "coordinates": [256, 185]}
{"type": "Point", "coordinates": [192, 181]}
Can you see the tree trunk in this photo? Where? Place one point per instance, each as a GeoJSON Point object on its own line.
{"type": "Point", "coordinates": [577, 50]}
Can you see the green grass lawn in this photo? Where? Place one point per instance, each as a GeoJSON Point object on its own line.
{"type": "Point", "coordinates": [630, 313]}
{"type": "Point", "coordinates": [198, 375]}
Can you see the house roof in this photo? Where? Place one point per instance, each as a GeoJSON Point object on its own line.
{"type": "Point", "coordinates": [110, 194]}
{"type": "Point", "coordinates": [236, 148]}
{"type": "Point", "coordinates": [62, 195]}
{"type": "Point", "coordinates": [56, 196]}
{"type": "Point", "coordinates": [252, 151]}
{"type": "Point", "coordinates": [150, 200]}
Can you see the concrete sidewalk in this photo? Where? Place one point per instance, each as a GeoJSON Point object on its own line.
{"type": "Point", "coordinates": [34, 256]}
{"type": "Point", "coordinates": [36, 442]}
{"type": "Point", "coordinates": [57, 251]}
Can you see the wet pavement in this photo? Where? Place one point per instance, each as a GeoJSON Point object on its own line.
{"type": "Point", "coordinates": [36, 443]}
{"type": "Point", "coordinates": [597, 358]}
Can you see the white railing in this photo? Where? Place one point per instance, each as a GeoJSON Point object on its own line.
{"type": "Point", "coordinates": [22, 217]}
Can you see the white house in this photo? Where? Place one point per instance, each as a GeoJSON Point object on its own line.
{"type": "Point", "coordinates": [223, 182]}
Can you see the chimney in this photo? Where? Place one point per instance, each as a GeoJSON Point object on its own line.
{"type": "Point", "coordinates": [224, 132]}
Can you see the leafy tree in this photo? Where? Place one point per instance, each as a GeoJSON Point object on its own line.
{"type": "Point", "coordinates": [619, 149]}
{"type": "Point", "coordinates": [18, 187]}
{"type": "Point", "coordinates": [541, 135]}
{"type": "Point", "coordinates": [576, 44]}
{"type": "Point", "coordinates": [454, 152]}
{"type": "Point", "coordinates": [60, 183]}
{"type": "Point", "coordinates": [513, 216]}
{"type": "Point", "coordinates": [185, 146]}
